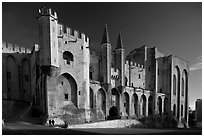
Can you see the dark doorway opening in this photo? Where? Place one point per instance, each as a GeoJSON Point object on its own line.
{"type": "Point", "coordinates": [113, 113]}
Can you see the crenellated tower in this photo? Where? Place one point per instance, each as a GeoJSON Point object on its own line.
{"type": "Point", "coordinates": [48, 37]}
{"type": "Point", "coordinates": [120, 61]}
{"type": "Point", "coordinates": [105, 72]}
{"type": "Point", "coordinates": [48, 57]}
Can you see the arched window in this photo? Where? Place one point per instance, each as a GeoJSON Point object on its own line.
{"type": "Point", "coordinates": [68, 56]}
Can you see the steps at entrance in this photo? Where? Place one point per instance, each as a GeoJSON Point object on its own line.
{"type": "Point", "coordinates": [107, 124]}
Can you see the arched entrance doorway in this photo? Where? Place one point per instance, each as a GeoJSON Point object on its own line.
{"type": "Point", "coordinates": [115, 98]}
{"type": "Point", "coordinates": [68, 87]}
{"type": "Point", "coordinates": [113, 113]}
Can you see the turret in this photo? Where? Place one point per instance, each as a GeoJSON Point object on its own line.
{"type": "Point", "coordinates": [48, 37]}
{"type": "Point", "coordinates": [120, 61]}
{"type": "Point", "coordinates": [105, 72]}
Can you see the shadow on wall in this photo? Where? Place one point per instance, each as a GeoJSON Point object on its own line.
{"type": "Point", "coordinates": [15, 109]}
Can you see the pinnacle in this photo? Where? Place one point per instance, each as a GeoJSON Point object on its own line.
{"type": "Point", "coordinates": [105, 36]}
{"type": "Point", "coordinates": [119, 43]}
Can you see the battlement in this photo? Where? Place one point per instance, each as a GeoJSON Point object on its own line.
{"type": "Point", "coordinates": [43, 11]}
{"type": "Point", "coordinates": [13, 48]}
{"type": "Point", "coordinates": [65, 31]}
{"type": "Point", "coordinates": [35, 48]}
{"type": "Point", "coordinates": [114, 73]}
{"type": "Point", "coordinates": [134, 64]}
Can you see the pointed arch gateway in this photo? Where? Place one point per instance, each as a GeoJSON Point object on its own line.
{"type": "Point", "coordinates": [115, 97]}
{"type": "Point", "coordinates": [68, 87]}
{"type": "Point", "coordinates": [115, 102]}
{"type": "Point", "coordinates": [113, 113]}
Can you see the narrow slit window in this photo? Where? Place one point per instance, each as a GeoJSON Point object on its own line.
{"type": "Point", "coordinates": [66, 97]}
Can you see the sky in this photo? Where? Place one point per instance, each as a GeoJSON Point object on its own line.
{"type": "Point", "coordinates": [174, 28]}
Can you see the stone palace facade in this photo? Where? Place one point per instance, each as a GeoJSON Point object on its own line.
{"type": "Point", "coordinates": [65, 77]}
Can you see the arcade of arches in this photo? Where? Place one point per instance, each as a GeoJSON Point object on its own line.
{"type": "Point", "coordinates": [125, 104]}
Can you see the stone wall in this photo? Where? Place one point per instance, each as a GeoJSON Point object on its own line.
{"type": "Point", "coordinates": [179, 99]}
{"type": "Point", "coordinates": [16, 79]}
